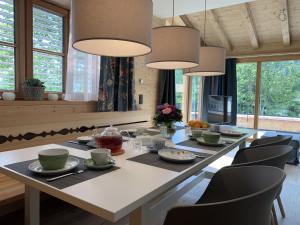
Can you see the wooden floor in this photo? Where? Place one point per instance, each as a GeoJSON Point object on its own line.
{"type": "Point", "coordinates": [55, 212]}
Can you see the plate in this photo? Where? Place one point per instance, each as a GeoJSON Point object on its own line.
{"type": "Point", "coordinates": [176, 156]}
{"type": "Point", "coordinates": [36, 167]}
{"type": "Point", "coordinates": [231, 133]}
{"type": "Point", "coordinates": [89, 163]}
{"type": "Point", "coordinates": [219, 144]}
{"type": "Point", "coordinates": [85, 139]}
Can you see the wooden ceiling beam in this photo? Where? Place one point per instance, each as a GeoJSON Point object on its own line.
{"type": "Point", "coordinates": [246, 14]}
{"type": "Point", "coordinates": [284, 21]}
{"type": "Point", "coordinates": [185, 19]}
{"type": "Point", "coordinates": [219, 30]}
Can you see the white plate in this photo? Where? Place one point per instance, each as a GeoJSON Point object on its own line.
{"type": "Point", "coordinates": [85, 139]}
{"type": "Point", "coordinates": [177, 156]}
{"type": "Point", "coordinates": [231, 133]}
{"type": "Point", "coordinates": [36, 167]}
{"type": "Point", "coordinates": [89, 163]}
{"type": "Point", "coordinates": [219, 144]}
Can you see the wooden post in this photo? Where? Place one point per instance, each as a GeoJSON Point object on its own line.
{"type": "Point", "coordinates": [257, 97]}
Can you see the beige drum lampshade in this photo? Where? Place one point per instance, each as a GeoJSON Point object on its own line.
{"type": "Point", "coordinates": [212, 62]}
{"type": "Point", "coordinates": [112, 27]}
{"type": "Point", "coordinates": [174, 47]}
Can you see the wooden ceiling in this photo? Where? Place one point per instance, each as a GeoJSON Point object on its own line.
{"type": "Point", "coordinates": [262, 27]}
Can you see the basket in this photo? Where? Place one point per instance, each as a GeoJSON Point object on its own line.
{"type": "Point", "coordinates": [34, 93]}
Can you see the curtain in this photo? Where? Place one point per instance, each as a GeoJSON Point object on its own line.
{"type": "Point", "coordinates": [222, 85]}
{"type": "Point", "coordinates": [167, 92]}
{"type": "Point", "coordinates": [83, 72]}
{"type": "Point", "coordinates": [117, 85]}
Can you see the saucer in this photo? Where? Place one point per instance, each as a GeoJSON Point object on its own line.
{"type": "Point", "coordinates": [219, 144]}
{"type": "Point", "coordinates": [36, 167]}
{"type": "Point", "coordinates": [89, 163]}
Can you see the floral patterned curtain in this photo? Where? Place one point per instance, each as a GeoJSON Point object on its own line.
{"type": "Point", "coordinates": [117, 85]}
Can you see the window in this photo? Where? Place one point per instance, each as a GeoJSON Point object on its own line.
{"type": "Point", "coordinates": [195, 93]}
{"type": "Point", "coordinates": [48, 48]}
{"type": "Point", "coordinates": [7, 46]}
{"type": "Point", "coordinates": [179, 88]}
{"type": "Point", "coordinates": [246, 87]}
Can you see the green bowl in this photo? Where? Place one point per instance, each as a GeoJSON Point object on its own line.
{"type": "Point", "coordinates": [211, 137]}
{"type": "Point", "coordinates": [53, 159]}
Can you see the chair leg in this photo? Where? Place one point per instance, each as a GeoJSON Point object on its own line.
{"type": "Point", "coordinates": [272, 219]}
{"type": "Point", "coordinates": [274, 215]}
{"type": "Point", "coordinates": [280, 206]}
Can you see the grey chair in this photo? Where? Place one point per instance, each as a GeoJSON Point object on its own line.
{"type": "Point", "coordinates": [269, 141]}
{"type": "Point", "coordinates": [276, 156]}
{"type": "Point", "coordinates": [232, 198]}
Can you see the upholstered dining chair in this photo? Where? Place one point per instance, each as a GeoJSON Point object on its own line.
{"type": "Point", "coordinates": [268, 141]}
{"type": "Point", "coordinates": [276, 156]}
{"type": "Point", "coordinates": [235, 196]}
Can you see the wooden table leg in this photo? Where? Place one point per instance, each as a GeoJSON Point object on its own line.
{"type": "Point", "coordinates": [32, 206]}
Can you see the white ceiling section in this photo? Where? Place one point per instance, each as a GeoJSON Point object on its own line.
{"type": "Point", "coordinates": [163, 8]}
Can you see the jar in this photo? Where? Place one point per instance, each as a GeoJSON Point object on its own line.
{"type": "Point", "coordinates": [111, 139]}
{"type": "Point", "coordinates": [8, 96]}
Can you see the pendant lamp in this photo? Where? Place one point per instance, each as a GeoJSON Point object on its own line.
{"type": "Point", "coordinates": [212, 61]}
{"type": "Point", "coordinates": [174, 47]}
{"type": "Point", "coordinates": [112, 27]}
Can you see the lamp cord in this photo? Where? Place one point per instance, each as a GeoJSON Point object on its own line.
{"type": "Point", "coordinates": [204, 35]}
{"type": "Point", "coordinates": [173, 12]}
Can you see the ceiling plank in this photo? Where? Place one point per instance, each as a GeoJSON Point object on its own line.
{"type": "Point", "coordinates": [188, 23]}
{"type": "Point", "coordinates": [219, 30]}
{"type": "Point", "coordinates": [246, 14]}
{"type": "Point", "coordinates": [284, 20]}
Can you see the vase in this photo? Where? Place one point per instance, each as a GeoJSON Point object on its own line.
{"type": "Point", "coordinates": [167, 130]}
{"type": "Point", "coordinates": [8, 96]}
{"type": "Point", "coordinates": [34, 93]}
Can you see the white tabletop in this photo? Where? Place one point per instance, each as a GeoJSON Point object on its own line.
{"type": "Point", "coordinates": [115, 194]}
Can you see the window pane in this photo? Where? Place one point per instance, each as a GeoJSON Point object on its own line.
{"type": "Point", "coordinates": [246, 85]}
{"type": "Point", "coordinates": [195, 97]}
{"type": "Point", "coordinates": [47, 30]}
{"type": "Point", "coordinates": [7, 21]}
{"type": "Point", "coordinates": [280, 96]}
{"type": "Point", "coordinates": [49, 69]}
{"type": "Point", "coordinates": [7, 68]}
{"type": "Point", "coordinates": [179, 88]}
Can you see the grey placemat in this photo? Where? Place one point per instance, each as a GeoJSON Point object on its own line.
{"type": "Point", "coordinates": [22, 167]}
{"type": "Point", "coordinates": [195, 144]}
{"type": "Point", "coordinates": [153, 159]}
{"type": "Point", "coordinates": [76, 146]}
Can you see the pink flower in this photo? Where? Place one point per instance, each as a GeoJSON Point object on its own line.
{"type": "Point", "coordinates": [166, 105]}
{"type": "Point", "coordinates": [167, 111]}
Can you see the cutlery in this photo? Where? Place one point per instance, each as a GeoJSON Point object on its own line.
{"type": "Point", "coordinates": [199, 156]}
{"type": "Point", "coordinates": [65, 175]}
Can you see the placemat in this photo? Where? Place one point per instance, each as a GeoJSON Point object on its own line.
{"type": "Point", "coordinates": [195, 144]}
{"type": "Point", "coordinates": [153, 159]}
{"type": "Point", "coordinates": [22, 167]}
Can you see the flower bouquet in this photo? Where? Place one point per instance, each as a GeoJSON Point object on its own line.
{"type": "Point", "coordinates": [167, 115]}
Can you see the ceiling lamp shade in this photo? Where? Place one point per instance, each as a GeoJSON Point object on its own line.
{"type": "Point", "coordinates": [112, 27]}
{"type": "Point", "coordinates": [212, 62]}
{"type": "Point", "coordinates": [174, 47]}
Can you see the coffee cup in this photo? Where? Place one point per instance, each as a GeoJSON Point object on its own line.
{"type": "Point", "coordinates": [158, 143]}
{"type": "Point", "coordinates": [197, 132]}
{"type": "Point", "coordinates": [101, 156]}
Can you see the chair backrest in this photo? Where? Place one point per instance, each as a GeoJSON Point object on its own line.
{"type": "Point", "coordinates": [235, 196]}
{"type": "Point", "coordinates": [268, 141]}
{"type": "Point", "coordinates": [276, 155]}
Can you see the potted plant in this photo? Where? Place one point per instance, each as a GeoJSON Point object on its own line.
{"type": "Point", "coordinates": [34, 89]}
{"type": "Point", "coordinates": [166, 116]}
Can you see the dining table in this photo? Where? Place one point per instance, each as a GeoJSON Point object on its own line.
{"type": "Point", "coordinates": [140, 186]}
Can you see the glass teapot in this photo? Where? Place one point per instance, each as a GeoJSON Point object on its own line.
{"type": "Point", "coordinates": [111, 139]}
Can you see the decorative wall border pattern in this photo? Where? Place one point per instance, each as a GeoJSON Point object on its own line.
{"type": "Point", "coordinates": [29, 136]}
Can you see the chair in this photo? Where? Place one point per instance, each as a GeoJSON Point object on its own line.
{"type": "Point", "coordinates": [276, 156]}
{"type": "Point", "coordinates": [268, 141]}
{"type": "Point", "coordinates": [232, 197]}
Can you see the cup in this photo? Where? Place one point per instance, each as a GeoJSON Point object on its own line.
{"type": "Point", "coordinates": [196, 132]}
{"type": "Point", "coordinates": [101, 156]}
{"type": "Point", "coordinates": [211, 137]}
{"type": "Point", "coordinates": [158, 143]}
{"type": "Point", "coordinates": [53, 159]}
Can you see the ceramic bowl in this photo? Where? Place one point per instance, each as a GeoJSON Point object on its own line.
{"type": "Point", "coordinates": [211, 137]}
{"type": "Point", "coordinates": [53, 159]}
{"type": "Point", "coordinates": [197, 132]}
